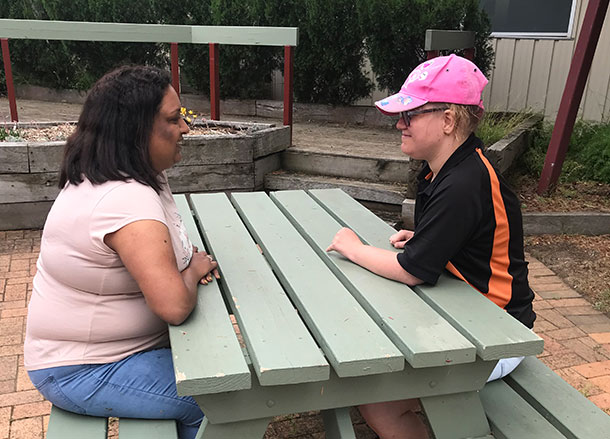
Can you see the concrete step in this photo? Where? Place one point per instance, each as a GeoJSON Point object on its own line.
{"type": "Point", "coordinates": [385, 193]}
{"type": "Point", "coordinates": [337, 162]}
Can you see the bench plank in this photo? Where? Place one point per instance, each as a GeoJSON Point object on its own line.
{"type": "Point", "coordinates": [421, 334]}
{"type": "Point", "coordinates": [494, 332]}
{"type": "Point", "coordinates": [68, 425]}
{"type": "Point", "coordinates": [147, 429]}
{"type": "Point", "coordinates": [511, 417]}
{"type": "Point", "coordinates": [352, 342]}
{"type": "Point", "coordinates": [206, 353]}
{"type": "Point", "coordinates": [279, 344]}
{"type": "Point", "coordinates": [562, 405]}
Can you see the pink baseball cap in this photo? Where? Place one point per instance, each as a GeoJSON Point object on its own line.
{"type": "Point", "coordinates": [450, 79]}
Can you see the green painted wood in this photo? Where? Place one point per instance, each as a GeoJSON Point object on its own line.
{"type": "Point", "coordinates": [161, 33]}
{"type": "Point", "coordinates": [351, 340]}
{"type": "Point", "coordinates": [254, 429]}
{"type": "Point", "coordinates": [67, 425]}
{"type": "Point", "coordinates": [494, 332]}
{"type": "Point", "coordinates": [441, 412]}
{"type": "Point", "coordinates": [263, 401]}
{"type": "Point", "coordinates": [448, 39]}
{"type": "Point", "coordinates": [511, 417]}
{"type": "Point", "coordinates": [424, 338]}
{"type": "Point", "coordinates": [338, 424]}
{"type": "Point", "coordinates": [206, 353]}
{"type": "Point", "coordinates": [279, 344]}
{"type": "Point", "coordinates": [562, 405]}
{"type": "Point", "coordinates": [259, 35]}
{"type": "Point", "coordinates": [147, 429]}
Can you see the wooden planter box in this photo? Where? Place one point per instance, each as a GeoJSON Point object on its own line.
{"type": "Point", "coordinates": [29, 171]}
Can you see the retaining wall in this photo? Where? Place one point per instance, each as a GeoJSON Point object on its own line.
{"type": "Point", "coordinates": [29, 170]}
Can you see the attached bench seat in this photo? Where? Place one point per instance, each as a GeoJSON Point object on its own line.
{"type": "Point", "coordinates": [67, 425]}
{"type": "Point", "coordinates": [534, 402]}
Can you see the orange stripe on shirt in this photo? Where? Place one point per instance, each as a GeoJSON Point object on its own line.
{"type": "Point", "coordinates": [500, 282]}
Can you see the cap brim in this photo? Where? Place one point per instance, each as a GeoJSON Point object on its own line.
{"type": "Point", "coordinates": [399, 102]}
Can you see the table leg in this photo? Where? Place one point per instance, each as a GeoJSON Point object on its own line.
{"type": "Point", "coordinates": [254, 429]}
{"type": "Point", "coordinates": [338, 424]}
{"type": "Point", "coordinates": [456, 416]}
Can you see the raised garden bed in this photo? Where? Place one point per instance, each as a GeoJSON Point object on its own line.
{"type": "Point", "coordinates": [231, 156]}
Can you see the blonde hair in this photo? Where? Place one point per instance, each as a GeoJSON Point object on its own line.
{"type": "Point", "coordinates": [467, 117]}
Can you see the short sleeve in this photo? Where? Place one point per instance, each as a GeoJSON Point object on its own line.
{"type": "Point", "coordinates": [123, 204]}
{"type": "Point", "coordinates": [449, 219]}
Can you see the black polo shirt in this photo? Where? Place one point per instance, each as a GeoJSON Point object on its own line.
{"type": "Point", "coordinates": [468, 221]}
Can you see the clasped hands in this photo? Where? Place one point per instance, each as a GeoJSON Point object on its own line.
{"type": "Point", "coordinates": [206, 266]}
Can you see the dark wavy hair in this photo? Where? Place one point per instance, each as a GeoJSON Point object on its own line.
{"type": "Point", "coordinates": [111, 140]}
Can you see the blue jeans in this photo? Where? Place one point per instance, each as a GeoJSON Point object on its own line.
{"type": "Point", "coordinates": [139, 386]}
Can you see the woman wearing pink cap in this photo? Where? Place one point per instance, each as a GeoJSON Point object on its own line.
{"type": "Point", "coordinates": [467, 220]}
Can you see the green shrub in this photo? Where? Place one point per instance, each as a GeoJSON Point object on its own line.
{"type": "Point", "coordinates": [330, 54]}
{"type": "Point", "coordinates": [587, 158]}
{"type": "Point", "coordinates": [395, 33]}
{"type": "Point", "coordinates": [329, 58]}
{"type": "Point", "coordinates": [76, 64]}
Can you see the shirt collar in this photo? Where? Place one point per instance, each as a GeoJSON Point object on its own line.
{"type": "Point", "coordinates": [463, 151]}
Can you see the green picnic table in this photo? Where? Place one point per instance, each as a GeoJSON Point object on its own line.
{"type": "Point", "coordinates": [322, 333]}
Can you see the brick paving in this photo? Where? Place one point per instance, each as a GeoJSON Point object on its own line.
{"type": "Point", "coordinates": [577, 345]}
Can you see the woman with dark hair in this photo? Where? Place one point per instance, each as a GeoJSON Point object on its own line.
{"type": "Point", "coordinates": [115, 264]}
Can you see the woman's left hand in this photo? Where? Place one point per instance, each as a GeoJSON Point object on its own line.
{"type": "Point", "coordinates": [345, 242]}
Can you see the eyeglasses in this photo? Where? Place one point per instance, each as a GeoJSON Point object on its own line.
{"type": "Point", "coordinates": [408, 115]}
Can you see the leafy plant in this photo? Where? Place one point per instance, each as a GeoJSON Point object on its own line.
{"type": "Point", "coordinates": [9, 134]}
{"type": "Point", "coordinates": [587, 158]}
{"type": "Point", "coordinates": [329, 59]}
{"type": "Point", "coordinates": [395, 33]}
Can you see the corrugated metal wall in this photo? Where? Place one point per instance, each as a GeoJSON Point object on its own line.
{"type": "Point", "coordinates": [532, 74]}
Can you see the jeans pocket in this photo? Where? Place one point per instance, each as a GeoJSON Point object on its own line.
{"type": "Point", "coordinates": [51, 390]}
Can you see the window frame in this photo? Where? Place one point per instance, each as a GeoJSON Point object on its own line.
{"type": "Point", "coordinates": [568, 35]}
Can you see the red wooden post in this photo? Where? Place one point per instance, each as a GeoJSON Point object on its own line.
{"type": "Point", "coordinates": [175, 68]}
{"type": "Point", "coordinates": [572, 94]}
{"type": "Point", "coordinates": [288, 80]}
{"type": "Point", "coordinates": [432, 54]}
{"type": "Point", "coordinates": [8, 73]}
{"type": "Point", "coordinates": [469, 53]}
{"type": "Point", "coordinates": [214, 83]}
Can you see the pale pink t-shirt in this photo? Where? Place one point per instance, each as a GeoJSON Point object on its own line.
{"type": "Point", "coordinates": [86, 308]}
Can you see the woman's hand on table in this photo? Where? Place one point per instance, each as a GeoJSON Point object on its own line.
{"type": "Point", "coordinates": [400, 238]}
{"type": "Point", "coordinates": [345, 242]}
{"type": "Point", "coordinates": [204, 265]}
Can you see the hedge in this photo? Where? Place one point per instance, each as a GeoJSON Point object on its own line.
{"type": "Point", "coordinates": [335, 37]}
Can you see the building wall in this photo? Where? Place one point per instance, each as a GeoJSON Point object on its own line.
{"type": "Point", "coordinates": [531, 74]}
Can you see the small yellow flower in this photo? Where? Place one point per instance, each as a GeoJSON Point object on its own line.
{"type": "Point", "coordinates": [194, 116]}
{"type": "Point", "coordinates": [188, 120]}
{"type": "Point", "coordinates": [183, 111]}
{"type": "Point", "coordinates": [191, 112]}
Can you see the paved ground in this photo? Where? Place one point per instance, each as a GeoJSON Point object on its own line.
{"type": "Point", "coordinates": [577, 338]}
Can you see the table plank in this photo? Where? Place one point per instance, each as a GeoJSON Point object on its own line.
{"type": "Point", "coordinates": [424, 337]}
{"type": "Point", "coordinates": [352, 342]}
{"type": "Point", "coordinates": [206, 353]}
{"type": "Point", "coordinates": [279, 344]}
{"type": "Point", "coordinates": [494, 332]}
